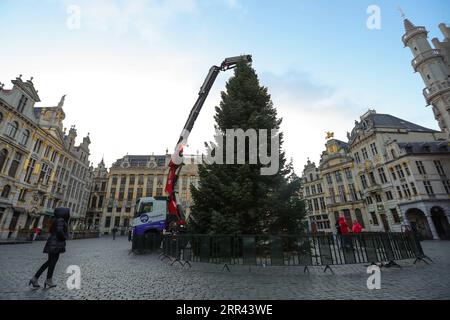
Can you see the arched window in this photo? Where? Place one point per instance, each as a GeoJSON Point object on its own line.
{"type": "Point", "coordinates": [12, 129]}
{"type": "Point", "coordinates": [6, 191]}
{"type": "Point", "coordinates": [25, 137]}
{"type": "Point", "coordinates": [3, 157]}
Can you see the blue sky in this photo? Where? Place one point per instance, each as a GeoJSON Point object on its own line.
{"type": "Point", "coordinates": [137, 65]}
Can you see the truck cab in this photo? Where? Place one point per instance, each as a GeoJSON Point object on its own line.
{"type": "Point", "coordinates": [150, 216]}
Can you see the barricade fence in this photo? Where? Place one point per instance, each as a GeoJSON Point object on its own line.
{"type": "Point", "coordinates": [284, 250]}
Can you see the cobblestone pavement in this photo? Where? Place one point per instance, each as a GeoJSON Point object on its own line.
{"type": "Point", "coordinates": [109, 271]}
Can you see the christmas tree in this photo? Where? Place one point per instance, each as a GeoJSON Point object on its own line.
{"type": "Point", "coordinates": [238, 198]}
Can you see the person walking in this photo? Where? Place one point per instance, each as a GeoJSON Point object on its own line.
{"type": "Point", "coordinates": [114, 231]}
{"type": "Point", "coordinates": [130, 234]}
{"type": "Point", "coordinates": [55, 245]}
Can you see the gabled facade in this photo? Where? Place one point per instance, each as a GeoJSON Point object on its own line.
{"type": "Point", "coordinates": [40, 166]}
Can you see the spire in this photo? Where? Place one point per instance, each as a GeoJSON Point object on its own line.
{"type": "Point", "coordinates": [409, 26]}
{"type": "Point", "coordinates": [61, 102]}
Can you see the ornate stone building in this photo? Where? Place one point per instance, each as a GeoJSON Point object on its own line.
{"type": "Point", "coordinates": [97, 199]}
{"type": "Point", "coordinates": [391, 173]}
{"type": "Point", "coordinates": [133, 177]}
{"type": "Point", "coordinates": [433, 64]}
{"type": "Point", "coordinates": [40, 165]}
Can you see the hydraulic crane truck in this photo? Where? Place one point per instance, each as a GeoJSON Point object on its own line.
{"type": "Point", "coordinates": [159, 215]}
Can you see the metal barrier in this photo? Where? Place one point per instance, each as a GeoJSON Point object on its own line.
{"type": "Point", "coordinates": [283, 250]}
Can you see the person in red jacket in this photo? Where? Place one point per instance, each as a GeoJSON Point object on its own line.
{"type": "Point", "coordinates": [357, 228]}
{"type": "Point", "coordinates": [346, 241]}
{"type": "Point", "coordinates": [343, 225]}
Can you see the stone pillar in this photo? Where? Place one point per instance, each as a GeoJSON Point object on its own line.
{"type": "Point", "coordinates": [432, 227]}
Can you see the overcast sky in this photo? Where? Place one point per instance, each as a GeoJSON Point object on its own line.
{"type": "Point", "coordinates": [132, 70]}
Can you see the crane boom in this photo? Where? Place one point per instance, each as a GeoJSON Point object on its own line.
{"type": "Point", "coordinates": [176, 215]}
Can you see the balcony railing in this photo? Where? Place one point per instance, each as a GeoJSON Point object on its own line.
{"type": "Point", "coordinates": [431, 93]}
{"type": "Point", "coordinates": [413, 33]}
{"type": "Point", "coordinates": [421, 58]}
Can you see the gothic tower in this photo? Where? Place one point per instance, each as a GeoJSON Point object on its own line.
{"type": "Point", "coordinates": [433, 66]}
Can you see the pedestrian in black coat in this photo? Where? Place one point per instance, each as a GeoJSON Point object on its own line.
{"type": "Point", "coordinates": [55, 245]}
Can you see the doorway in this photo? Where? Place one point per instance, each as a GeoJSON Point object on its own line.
{"type": "Point", "coordinates": [385, 222]}
{"type": "Point", "coordinates": [440, 223]}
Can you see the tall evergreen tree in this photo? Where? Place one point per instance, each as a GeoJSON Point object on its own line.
{"type": "Point", "coordinates": [237, 198]}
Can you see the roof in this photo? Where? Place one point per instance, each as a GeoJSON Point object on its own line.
{"type": "Point", "coordinates": [425, 147]}
{"type": "Point", "coordinates": [389, 121]}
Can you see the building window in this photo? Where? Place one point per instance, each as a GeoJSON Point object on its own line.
{"type": "Point", "coordinates": [405, 165]}
{"type": "Point", "coordinates": [363, 181]}
{"type": "Point", "coordinates": [11, 131]}
{"type": "Point", "coordinates": [6, 191]}
{"type": "Point", "coordinates": [406, 190]}
{"type": "Point", "coordinates": [395, 216]}
{"type": "Point", "coordinates": [413, 187]}
{"type": "Point", "coordinates": [369, 200]}
{"type": "Point", "coordinates": [399, 171]}
{"type": "Point", "coordinates": [316, 204]}
{"type": "Point", "coordinates": [103, 188]}
{"type": "Point", "coordinates": [332, 196]}
{"type": "Point", "coordinates": [114, 180]}
{"type": "Point", "coordinates": [313, 189]}
{"type": "Point", "coordinates": [348, 173]}
{"type": "Point", "coordinates": [25, 137]}
{"type": "Point", "coordinates": [123, 180]}
{"type": "Point", "coordinates": [22, 103]}
{"type": "Point", "coordinates": [374, 218]}
{"type": "Point", "coordinates": [22, 195]}
{"type": "Point", "coordinates": [108, 222]}
{"type": "Point", "coordinates": [373, 148]}
{"type": "Point", "coordinates": [3, 157]}
{"type": "Point", "coordinates": [353, 194]}
{"type": "Point", "coordinates": [322, 204]}
{"type": "Point", "coordinates": [121, 193]}
{"type": "Point", "coordinates": [37, 146]}
{"type": "Point", "coordinates": [329, 179]}
{"type": "Point", "coordinates": [446, 184]}
{"type": "Point", "coordinates": [141, 179]}
{"type": "Point", "coordinates": [15, 165]}
{"type": "Point", "coordinates": [378, 198]}
{"type": "Point", "coordinates": [342, 196]}
{"type": "Point", "coordinates": [130, 194]}
{"type": "Point", "coordinates": [110, 209]}
{"type": "Point", "coordinates": [359, 217]}
{"type": "Point", "coordinates": [119, 209]}
{"type": "Point", "coordinates": [389, 195]}
{"type": "Point", "coordinates": [364, 153]}
{"type": "Point", "coordinates": [357, 158]}
{"type": "Point", "coordinates": [428, 187]}
{"type": "Point", "coordinates": [439, 168]}
{"type": "Point", "coordinates": [382, 175]}
{"type": "Point", "coordinates": [338, 176]}
{"type": "Point", "coordinates": [393, 173]}
{"type": "Point", "coordinates": [399, 192]}
{"type": "Point", "coordinates": [420, 167]}
{"type": "Point", "coordinates": [43, 173]}
{"type": "Point", "coordinates": [116, 221]}
{"type": "Point", "coordinates": [319, 188]}
{"type": "Point", "coordinates": [132, 180]}
{"type": "Point", "coordinates": [29, 170]}
{"type": "Point", "coordinates": [47, 151]}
